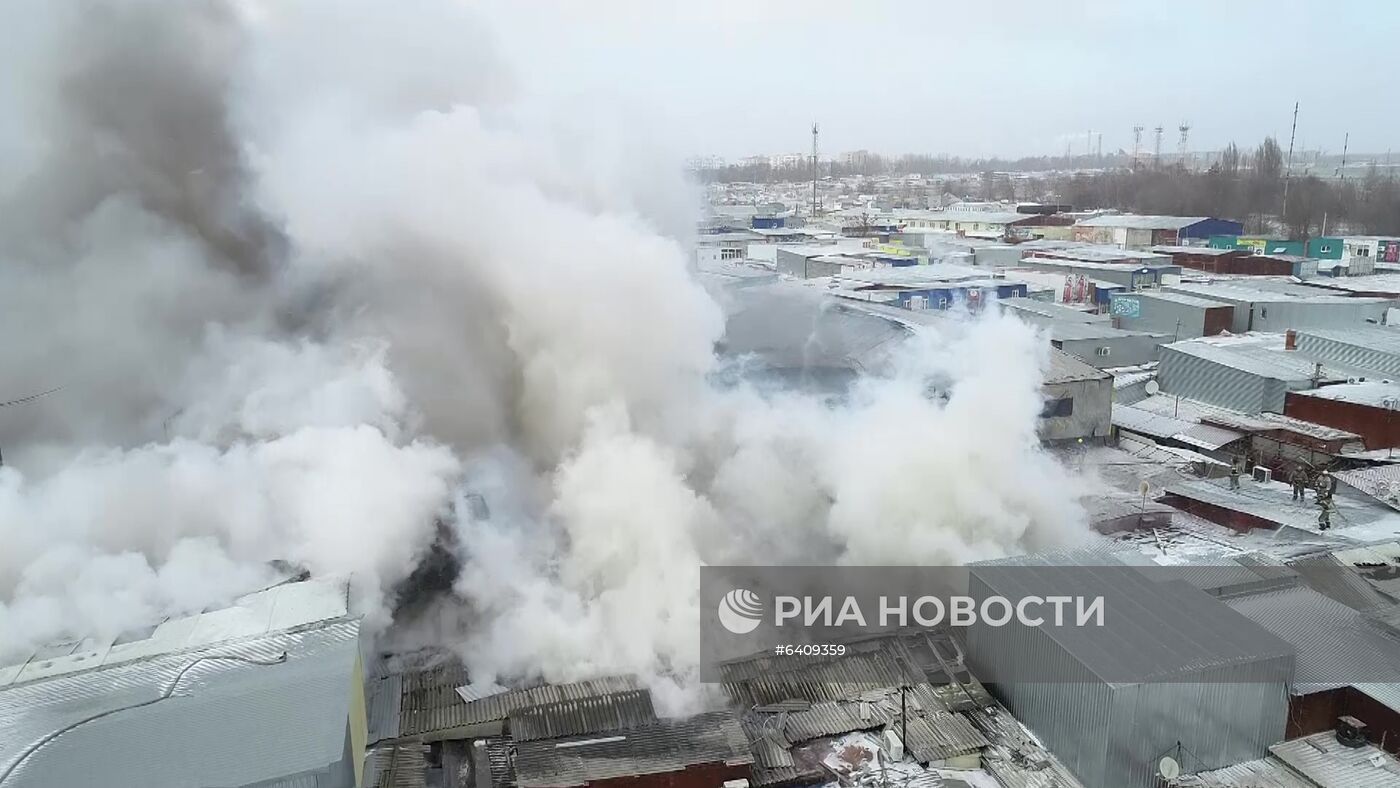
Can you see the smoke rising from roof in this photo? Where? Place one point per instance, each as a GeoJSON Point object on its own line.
{"type": "Point", "coordinates": [307, 273]}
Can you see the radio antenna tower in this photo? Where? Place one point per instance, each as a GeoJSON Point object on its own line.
{"type": "Point", "coordinates": [1185, 129]}
{"type": "Point", "coordinates": [1342, 170]}
{"type": "Point", "coordinates": [1137, 144]}
{"type": "Point", "coordinates": [814, 170]}
{"type": "Point", "coordinates": [1157, 148]}
{"type": "Point", "coordinates": [1288, 172]}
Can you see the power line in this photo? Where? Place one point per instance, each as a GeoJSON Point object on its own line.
{"type": "Point", "coordinates": [30, 398]}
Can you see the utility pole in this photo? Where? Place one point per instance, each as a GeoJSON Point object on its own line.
{"type": "Point", "coordinates": [1288, 173]}
{"type": "Point", "coordinates": [814, 170]}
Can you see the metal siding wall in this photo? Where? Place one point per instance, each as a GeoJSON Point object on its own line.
{"type": "Point", "coordinates": [1112, 736]}
{"type": "Point", "coordinates": [1286, 315]}
{"type": "Point", "coordinates": [1161, 316]}
{"type": "Point", "coordinates": [1240, 322]}
{"type": "Point", "coordinates": [1071, 718]}
{"type": "Point", "coordinates": [1092, 417]}
{"type": "Point", "coordinates": [1216, 384]}
{"type": "Point", "coordinates": [1231, 717]}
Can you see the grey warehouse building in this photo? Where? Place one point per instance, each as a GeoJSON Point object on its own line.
{"type": "Point", "coordinates": [1249, 380]}
{"type": "Point", "coordinates": [1172, 669]}
{"type": "Point", "coordinates": [1178, 314]}
{"type": "Point", "coordinates": [1105, 346]}
{"type": "Point", "coordinates": [1258, 309]}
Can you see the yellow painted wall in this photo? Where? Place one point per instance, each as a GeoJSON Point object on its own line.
{"type": "Point", "coordinates": [359, 721]}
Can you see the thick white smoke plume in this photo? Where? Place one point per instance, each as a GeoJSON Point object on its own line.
{"type": "Point", "coordinates": [308, 271]}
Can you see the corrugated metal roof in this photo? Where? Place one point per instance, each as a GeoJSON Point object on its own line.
{"type": "Point", "coordinates": [829, 719]}
{"type": "Point", "coordinates": [1386, 694]}
{"type": "Point", "coordinates": [1065, 368]}
{"type": "Point", "coordinates": [1384, 340]}
{"type": "Point", "coordinates": [1159, 631]}
{"type": "Point", "coordinates": [500, 706]}
{"type": "Point", "coordinates": [1053, 310]}
{"type": "Point", "coordinates": [939, 736]}
{"type": "Point", "coordinates": [500, 759]}
{"type": "Point", "coordinates": [280, 607]}
{"type": "Point", "coordinates": [1014, 757]}
{"type": "Point", "coordinates": [1141, 221]}
{"type": "Point", "coordinates": [1064, 330]}
{"type": "Point", "coordinates": [1146, 423]}
{"type": "Point", "coordinates": [760, 682]}
{"type": "Point", "coordinates": [984, 217]}
{"type": "Point", "coordinates": [1208, 436]}
{"type": "Point", "coordinates": [612, 712]}
{"type": "Point", "coordinates": [430, 702]}
{"type": "Point", "coordinates": [232, 714]}
{"type": "Point", "coordinates": [1265, 362]}
{"type": "Point", "coordinates": [773, 763]}
{"type": "Point", "coordinates": [1336, 646]}
{"type": "Point", "coordinates": [1322, 759]}
{"type": "Point", "coordinates": [1261, 773]}
{"type": "Point", "coordinates": [1205, 251]}
{"type": "Point", "coordinates": [1381, 482]}
{"type": "Point", "coordinates": [667, 746]}
{"type": "Point", "coordinates": [1326, 575]}
{"type": "Point", "coordinates": [399, 765]}
{"type": "Point", "coordinates": [383, 699]}
{"type": "Point", "coordinates": [1174, 298]}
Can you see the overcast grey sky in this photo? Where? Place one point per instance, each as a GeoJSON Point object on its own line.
{"type": "Point", "coordinates": [1009, 77]}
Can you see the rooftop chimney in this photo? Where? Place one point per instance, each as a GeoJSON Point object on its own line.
{"type": "Point", "coordinates": [1290, 340]}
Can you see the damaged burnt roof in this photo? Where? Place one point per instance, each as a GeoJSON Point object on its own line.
{"type": "Point", "coordinates": [500, 705]}
{"type": "Point", "coordinates": [1013, 756]}
{"type": "Point", "coordinates": [438, 702]}
{"type": "Point", "coordinates": [929, 659]}
{"type": "Point", "coordinates": [661, 747]}
{"type": "Point", "coordinates": [597, 714]}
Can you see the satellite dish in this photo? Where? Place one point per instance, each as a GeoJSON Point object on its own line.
{"type": "Point", "coordinates": [1168, 768]}
{"type": "Point", "coordinates": [1152, 388]}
